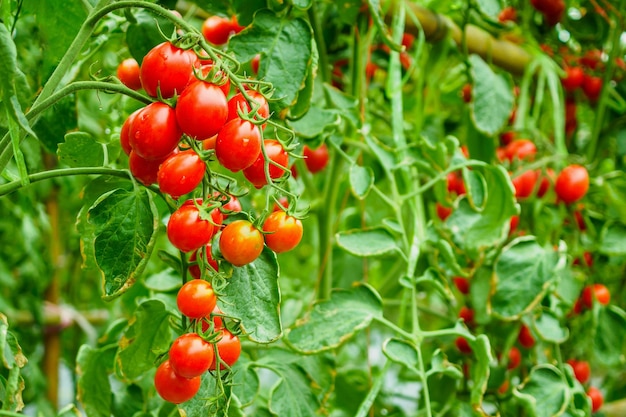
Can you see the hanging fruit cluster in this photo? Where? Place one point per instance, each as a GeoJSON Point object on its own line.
{"type": "Point", "coordinates": [197, 121]}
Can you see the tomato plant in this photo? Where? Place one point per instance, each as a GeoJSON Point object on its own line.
{"type": "Point", "coordinates": [402, 208]}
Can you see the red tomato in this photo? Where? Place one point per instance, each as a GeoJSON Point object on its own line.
{"type": "Point", "coordinates": [525, 184]}
{"type": "Point", "coordinates": [592, 59]}
{"type": "Point", "coordinates": [316, 159]}
{"type": "Point", "coordinates": [513, 223]}
{"type": "Point", "coordinates": [154, 132]}
{"type": "Point", "coordinates": [596, 397]}
{"type": "Point", "coordinates": [201, 110]}
{"type": "Point", "coordinates": [144, 170]}
{"type": "Point", "coordinates": [515, 358]}
{"type": "Point", "coordinates": [241, 242]}
{"type": "Point", "coordinates": [255, 173]}
{"type": "Point", "coordinates": [230, 203]}
{"type": "Point", "coordinates": [508, 14]}
{"type": "Point", "coordinates": [443, 212]}
{"type": "Point", "coordinates": [572, 184]}
{"type": "Point", "coordinates": [462, 284]}
{"type": "Point", "coordinates": [596, 291]}
{"type": "Point", "coordinates": [194, 270]}
{"type": "Point", "coordinates": [196, 299]}
{"type": "Point", "coordinates": [172, 387]}
{"type": "Point", "coordinates": [238, 145]}
{"type": "Point", "coordinates": [467, 315]}
{"type": "Point", "coordinates": [282, 232]}
{"type": "Point", "coordinates": [228, 349]}
{"type": "Point", "coordinates": [546, 180]}
{"type": "Point", "coordinates": [254, 64]}
{"type": "Point", "coordinates": [282, 204]}
{"type": "Point", "coordinates": [217, 29]}
{"type": "Point", "coordinates": [592, 87]}
{"type": "Point", "coordinates": [574, 78]}
{"type": "Point", "coordinates": [125, 132]}
{"type": "Point", "coordinates": [181, 173]}
{"type": "Point", "coordinates": [218, 78]}
{"type": "Point", "coordinates": [168, 69]}
{"type": "Point", "coordinates": [522, 149]}
{"type": "Point", "coordinates": [462, 345]}
{"type": "Point", "coordinates": [187, 231]}
{"type": "Point", "coordinates": [525, 337]}
{"type": "Point", "coordinates": [507, 137]}
{"type": "Point", "coordinates": [217, 320]}
{"type": "Point", "coordinates": [239, 103]}
{"type": "Point", "coordinates": [582, 370]}
{"type": "Point", "coordinates": [128, 73]}
{"type": "Point", "coordinates": [455, 183]}
{"type": "Point", "coordinates": [190, 355]}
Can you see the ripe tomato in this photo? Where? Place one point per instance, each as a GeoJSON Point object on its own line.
{"type": "Point", "coordinates": [525, 337]}
{"type": "Point", "coordinates": [582, 370]}
{"type": "Point", "coordinates": [144, 170]}
{"type": "Point", "coordinates": [462, 284]}
{"type": "Point", "coordinates": [443, 212]}
{"type": "Point", "coordinates": [455, 183]}
{"type": "Point", "coordinates": [515, 358]}
{"type": "Point", "coordinates": [281, 204]}
{"type": "Point", "coordinates": [596, 291]}
{"type": "Point", "coordinates": [573, 79]}
{"type": "Point", "coordinates": [194, 270]}
{"type": "Point", "coordinates": [125, 132]}
{"type": "Point", "coordinates": [181, 173]}
{"type": "Point", "coordinates": [238, 102]}
{"type": "Point", "coordinates": [128, 73]}
{"type": "Point", "coordinates": [255, 173]}
{"type": "Point", "coordinates": [522, 149]}
{"type": "Point", "coordinates": [508, 14]}
{"type": "Point", "coordinates": [462, 345]}
{"type": "Point", "coordinates": [592, 87]}
{"type": "Point", "coordinates": [218, 29]}
{"type": "Point", "coordinates": [254, 64]}
{"type": "Point", "coordinates": [172, 387]}
{"type": "Point", "coordinates": [187, 231]}
{"type": "Point", "coordinates": [196, 299]}
{"type": "Point", "coordinates": [241, 242]}
{"type": "Point", "coordinates": [217, 320]}
{"type": "Point", "coordinates": [168, 69]}
{"type": "Point", "coordinates": [525, 184]}
{"type": "Point", "coordinates": [316, 159]}
{"type": "Point", "coordinates": [190, 355]}
{"type": "Point", "coordinates": [218, 78]}
{"type": "Point", "coordinates": [513, 223]}
{"type": "Point", "coordinates": [282, 232]}
{"type": "Point", "coordinates": [547, 179]}
{"type": "Point", "coordinates": [154, 132]}
{"type": "Point", "coordinates": [572, 183]}
{"type": "Point", "coordinates": [596, 397]}
{"type": "Point", "coordinates": [467, 315]}
{"type": "Point", "coordinates": [201, 110]}
{"type": "Point", "coordinates": [592, 59]}
{"type": "Point", "coordinates": [238, 145]}
{"type": "Point", "coordinates": [228, 349]}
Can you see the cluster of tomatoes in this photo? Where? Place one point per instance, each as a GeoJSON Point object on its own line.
{"type": "Point", "coordinates": [171, 142]}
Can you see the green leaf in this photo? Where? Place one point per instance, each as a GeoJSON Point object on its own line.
{"type": "Point", "coordinates": [8, 62]}
{"type": "Point", "coordinates": [544, 393]}
{"type": "Point", "coordinates": [315, 122]}
{"type": "Point", "coordinates": [148, 336]}
{"type": "Point", "coordinates": [143, 34]}
{"type": "Point", "coordinates": [12, 356]}
{"type": "Point", "coordinates": [489, 7]}
{"type": "Point", "coordinates": [245, 381]}
{"type": "Point", "coordinates": [226, 405]}
{"type": "Point", "coordinates": [476, 231]}
{"type": "Point", "coordinates": [57, 25]}
{"type": "Point", "coordinates": [481, 349]}
{"type": "Point", "coordinates": [613, 240]}
{"type": "Point", "coordinates": [252, 295]}
{"type": "Point", "coordinates": [218, 7]}
{"type": "Point", "coordinates": [609, 340]}
{"type": "Point", "coordinates": [492, 98]}
{"type": "Point", "coordinates": [332, 322]}
{"type": "Point", "coordinates": [550, 329]}
{"type": "Point", "coordinates": [361, 180]}
{"type": "Point", "coordinates": [164, 281]}
{"type": "Point", "coordinates": [69, 410]}
{"type": "Point", "coordinates": [125, 228]}
{"type": "Point", "coordinates": [287, 48]}
{"type": "Point", "coordinates": [94, 390]}
{"type": "Point", "coordinates": [402, 352]}
{"type": "Point", "coordinates": [523, 264]}
{"type": "Point", "coordinates": [476, 188]}
{"type": "Point", "coordinates": [291, 396]}
{"type": "Point", "coordinates": [301, 4]}
{"type": "Point", "coordinates": [81, 150]}
{"type": "Point", "coordinates": [367, 242]}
